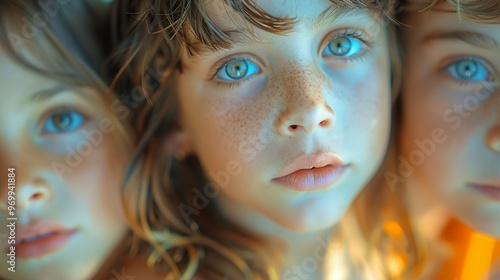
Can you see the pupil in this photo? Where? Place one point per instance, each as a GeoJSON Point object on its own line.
{"type": "Point", "coordinates": [340, 46]}
{"type": "Point", "coordinates": [237, 69]}
{"type": "Point", "coordinates": [469, 68]}
{"type": "Point", "coordinates": [62, 120]}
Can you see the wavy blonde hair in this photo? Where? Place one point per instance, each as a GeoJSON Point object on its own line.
{"type": "Point", "coordinates": [148, 39]}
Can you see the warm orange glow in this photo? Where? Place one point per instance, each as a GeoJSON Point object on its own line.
{"type": "Point", "coordinates": [479, 257]}
{"type": "Point", "coordinates": [473, 254]}
{"type": "Point", "coordinates": [396, 265]}
{"type": "Point", "coordinates": [393, 229]}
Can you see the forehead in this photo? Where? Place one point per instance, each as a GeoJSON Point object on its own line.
{"type": "Point", "coordinates": [440, 23]}
{"type": "Point", "coordinates": [223, 15]}
{"type": "Point", "coordinates": [303, 11]}
{"type": "Point", "coordinates": [16, 79]}
{"type": "Point", "coordinates": [23, 86]}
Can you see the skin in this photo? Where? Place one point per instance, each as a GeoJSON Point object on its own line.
{"type": "Point", "coordinates": [461, 122]}
{"type": "Point", "coordinates": [297, 102]}
{"type": "Point", "coordinates": [85, 196]}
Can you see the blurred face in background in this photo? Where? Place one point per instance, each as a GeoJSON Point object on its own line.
{"type": "Point", "coordinates": [451, 113]}
{"type": "Point", "coordinates": [66, 156]}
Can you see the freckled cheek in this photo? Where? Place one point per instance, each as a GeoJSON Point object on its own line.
{"type": "Point", "coordinates": [233, 121]}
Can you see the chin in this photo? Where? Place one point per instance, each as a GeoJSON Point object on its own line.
{"type": "Point", "coordinates": [310, 221]}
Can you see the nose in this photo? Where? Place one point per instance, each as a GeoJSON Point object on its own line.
{"type": "Point", "coordinates": [306, 109]}
{"type": "Point", "coordinates": [26, 193]}
{"type": "Point", "coordinates": [27, 184]}
{"type": "Point", "coordinates": [305, 118]}
{"type": "Point", "coordinates": [36, 192]}
{"type": "Point", "coordinates": [493, 138]}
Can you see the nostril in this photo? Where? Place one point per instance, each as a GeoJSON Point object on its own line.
{"type": "Point", "coordinates": [293, 127]}
{"type": "Point", "coordinates": [493, 139]}
{"type": "Point", "coordinates": [36, 196]}
{"type": "Point", "coordinates": [325, 123]}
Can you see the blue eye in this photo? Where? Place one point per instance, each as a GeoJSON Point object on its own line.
{"type": "Point", "coordinates": [237, 69]}
{"type": "Point", "coordinates": [63, 121]}
{"type": "Point", "coordinates": [343, 46]}
{"type": "Point", "coordinates": [468, 69]}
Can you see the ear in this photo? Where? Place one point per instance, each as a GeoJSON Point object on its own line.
{"type": "Point", "coordinates": [178, 144]}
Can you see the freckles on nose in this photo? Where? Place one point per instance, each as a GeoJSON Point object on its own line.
{"type": "Point", "coordinates": [302, 89]}
{"type": "Point", "coordinates": [303, 83]}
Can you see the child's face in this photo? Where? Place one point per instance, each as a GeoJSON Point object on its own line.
{"type": "Point", "coordinates": [451, 126]}
{"type": "Point", "coordinates": [68, 163]}
{"type": "Point", "coordinates": [319, 95]}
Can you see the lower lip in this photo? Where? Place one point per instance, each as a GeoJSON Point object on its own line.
{"type": "Point", "coordinates": [312, 179]}
{"type": "Point", "coordinates": [490, 191]}
{"type": "Point", "coordinates": [43, 246]}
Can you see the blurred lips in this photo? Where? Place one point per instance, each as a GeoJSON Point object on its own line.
{"type": "Point", "coordinates": [490, 189]}
{"type": "Point", "coordinates": [41, 238]}
{"type": "Point", "coordinates": [313, 172]}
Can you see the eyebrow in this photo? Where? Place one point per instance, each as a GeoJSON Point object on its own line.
{"type": "Point", "coordinates": [331, 14]}
{"type": "Point", "coordinates": [242, 36]}
{"type": "Point", "coordinates": [472, 38]}
{"type": "Point", "coordinates": [46, 94]}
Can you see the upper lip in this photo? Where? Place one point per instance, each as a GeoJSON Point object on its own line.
{"type": "Point", "coordinates": [309, 161]}
{"type": "Point", "coordinates": [38, 228]}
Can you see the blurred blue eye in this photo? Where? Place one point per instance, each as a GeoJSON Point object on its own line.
{"type": "Point", "coordinates": [63, 121]}
{"type": "Point", "coordinates": [343, 46]}
{"type": "Point", "coordinates": [468, 69]}
{"type": "Point", "coordinates": [237, 69]}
